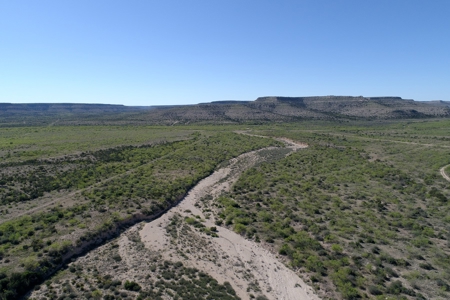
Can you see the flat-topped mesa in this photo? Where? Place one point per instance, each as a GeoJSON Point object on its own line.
{"type": "Point", "coordinates": [272, 99]}
{"type": "Point", "coordinates": [226, 102]}
{"type": "Point", "coordinates": [387, 98]}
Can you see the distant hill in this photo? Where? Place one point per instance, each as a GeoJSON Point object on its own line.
{"type": "Point", "coordinates": [63, 113]}
{"type": "Point", "coordinates": [63, 108]}
{"type": "Point", "coordinates": [263, 109]}
{"type": "Point", "coordinates": [438, 103]}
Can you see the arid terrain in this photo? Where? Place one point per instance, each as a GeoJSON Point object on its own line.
{"type": "Point", "coordinates": [226, 256]}
{"type": "Point", "coordinates": [311, 209]}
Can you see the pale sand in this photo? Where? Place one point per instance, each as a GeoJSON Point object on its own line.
{"type": "Point", "coordinates": [229, 257]}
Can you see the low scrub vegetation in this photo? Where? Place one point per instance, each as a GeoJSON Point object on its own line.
{"type": "Point", "coordinates": [347, 220]}
{"type": "Point", "coordinates": [362, 213]}
{"type": "Point", "coordinates": [112, 188]}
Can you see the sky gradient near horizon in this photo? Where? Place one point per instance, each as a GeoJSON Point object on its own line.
{"type": "Point", "coordinates": [185, 52]}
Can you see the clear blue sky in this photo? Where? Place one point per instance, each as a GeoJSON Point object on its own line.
{"type": "Point", "coordinates": [178, 52]}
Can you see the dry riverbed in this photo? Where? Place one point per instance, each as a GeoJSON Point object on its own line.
{"type": "Point", "coordinates": [184, 253]}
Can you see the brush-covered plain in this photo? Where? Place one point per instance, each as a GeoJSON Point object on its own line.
{"type": "Point", "coordinates": [363, 212]}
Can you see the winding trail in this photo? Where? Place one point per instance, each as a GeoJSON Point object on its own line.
{"type": "Point", "coordinates": [228, 257]}
{"type": "Point", "coordinates": [442, 170]}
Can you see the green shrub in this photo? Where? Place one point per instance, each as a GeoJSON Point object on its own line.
{"type": "Point", "coordinates": [132, 286]}
{"type": "Point", "coordinates": [336, 248]}
{"type": "Point", "coordinates": [240, 228]}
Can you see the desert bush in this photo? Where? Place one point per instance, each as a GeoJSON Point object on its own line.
{"type": "Point", "coordinates": [132, 286]}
